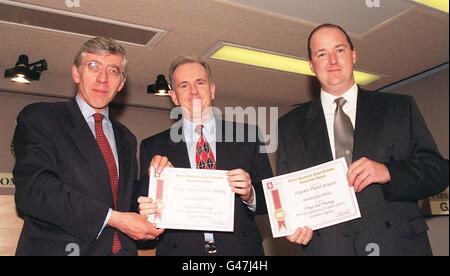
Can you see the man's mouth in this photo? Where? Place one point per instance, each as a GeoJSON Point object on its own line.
{"type": "Point", "coordinates": [100, 90]}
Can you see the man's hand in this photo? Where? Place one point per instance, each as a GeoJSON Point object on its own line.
{"type": "Point", "coordinates": [365, 172]}
{"type": "Point", "coordinates": [134, 225]}
{"type": "Point", "coordinates": [301, 236]}
{"type": "Point", "coordinates": [159, 163]}
{"type": "Point", "coordinates": [146, 206]}
{"type": "Point", "coordinates": [241, 184]}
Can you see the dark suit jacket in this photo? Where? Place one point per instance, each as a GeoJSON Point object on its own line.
{"type": "Point", "coordinates": [62, 183]}
{"type": "Point", "coordinates": [390, 130]}
{"type": "Point", "coordinates": [246, 239]}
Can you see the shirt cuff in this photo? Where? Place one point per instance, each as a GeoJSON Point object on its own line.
{"type": "Point", "coordinates": [252, 205]}
{"type": "Point", "coordinates": [108, 216]}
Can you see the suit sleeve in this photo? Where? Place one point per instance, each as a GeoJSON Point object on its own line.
{"type": "Point", "coordinates": [39, 191]}
{"type": "Point", "coordinates": [281, 157]}
{"type": "Point", "coordinates": [146, 154]}
{"type": "Point", "coordinates": [425, 173]}
{"type": "Point", "coordinates": [262, 170]}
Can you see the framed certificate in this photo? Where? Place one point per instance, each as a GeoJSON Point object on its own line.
{"type": "Point", "coordinates": [316, 197]}
{"type": "Point", "coordinates": [192, 199]}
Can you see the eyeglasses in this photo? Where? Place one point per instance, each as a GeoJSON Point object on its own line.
{"type": "Point", "coordinates": [95, 67]}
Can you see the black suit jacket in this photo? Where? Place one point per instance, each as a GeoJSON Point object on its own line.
{"type": "Point", "coordinates": [246, 239]}
{"type": "Point", "coordinates": [62, 183]}
{"type": "Point", "coordinates": [390, 130]}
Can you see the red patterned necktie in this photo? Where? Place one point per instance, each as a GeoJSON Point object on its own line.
{"type": "Point", "coordinates": [204, 157]}
{"type": "Point", "coordinates": [107, 153]}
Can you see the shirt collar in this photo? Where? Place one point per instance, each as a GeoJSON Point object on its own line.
{"type": "Point", "coordinates": [208, 130]}
{"type": "Point", "coordinates": [350, 96]}
{"type": "Point", "coordinates": [88, 111]}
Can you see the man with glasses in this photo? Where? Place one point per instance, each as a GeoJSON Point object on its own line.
{"type": "Point", "coordinates": [75, 167]}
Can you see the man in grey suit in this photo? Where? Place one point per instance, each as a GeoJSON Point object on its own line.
{"type": "Point", "coordinates": [392, 157]}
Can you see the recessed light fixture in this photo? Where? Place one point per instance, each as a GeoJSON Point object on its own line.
{"type": "Point", "coordinates": [255, 57]}
{"type": "Point", "coordinates": [441, 5]}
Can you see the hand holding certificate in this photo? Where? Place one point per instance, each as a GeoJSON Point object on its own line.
{"type": "Point", "coordinates": [192, 199]}
{"type": "Point", "coordinates": [316, 197]}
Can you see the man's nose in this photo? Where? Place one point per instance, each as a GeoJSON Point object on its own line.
{"type": "Point", "coordinates": [102, 76]}
{"type": "Point", "coordinates": [332, 58]}
{"type": "Point", "coordinates": [193, 89]}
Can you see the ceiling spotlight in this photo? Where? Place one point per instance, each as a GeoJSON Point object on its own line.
{"type": "Point", "coordinates": [160, 87]}
{"type": "Point", "coordinates": [24, 72]}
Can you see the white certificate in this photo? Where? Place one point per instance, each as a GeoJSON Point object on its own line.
{"type": "Point", "coordinates": [192, 199]}
{"type": "Point", "coordinates": [316, 197]}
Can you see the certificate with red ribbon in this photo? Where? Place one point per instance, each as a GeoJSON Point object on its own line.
{"type": "Point", "coordinates": [317, 197]}
{"type": "Point", "coordinates": [192, 199]}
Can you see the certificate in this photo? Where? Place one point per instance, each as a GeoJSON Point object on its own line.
{"type": "Point", "coordinates": [316, 197]}
{"type": "Point", "coordinates": [192, 199]}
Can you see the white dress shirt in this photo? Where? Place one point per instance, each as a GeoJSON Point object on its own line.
{"type": "Point", "coordinates": [329, 107]}
{"type": "Point", "coordinates": [209, 132]}
{"type": "Point", "coordinates": [88, 114]}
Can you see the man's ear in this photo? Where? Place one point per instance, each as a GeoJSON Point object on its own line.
{"type": "Point", "coordinates": [311, 66]}
{"type": "Point", "coordinates": [122, 83]}
{"type": "Point", "coordinates": [75, 74]}
{"type": "Point", "coordinates": [173, 95]}
{"type": "Point", "coordinates": [354, 56]}
{"type": "Point", "coordinates": [213, 91]}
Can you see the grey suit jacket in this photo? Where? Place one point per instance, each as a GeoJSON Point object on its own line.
{"type": "Point", "coordinates": [390, 130]}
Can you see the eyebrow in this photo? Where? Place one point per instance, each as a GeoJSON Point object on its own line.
{"type": "Point", "coordinates": [335, 47]}
{"type": "Point", "coordinates": [200, 79]}
{"type": "Point", "coordinates": [341, 45]}
{"type": "Point", "coordinates": [112, 64]}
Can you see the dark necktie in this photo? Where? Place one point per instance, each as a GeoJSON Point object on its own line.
{"type": "Point", "coordinates": [107, 153]}
{"type": "Point", "coordinates": [343, 132]}
{"type": "Point", "coordinates": [204, 157]}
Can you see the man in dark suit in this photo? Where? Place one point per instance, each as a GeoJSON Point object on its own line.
{"type": "Point", "coordinates": [194, 92]}
{"type": "Point", "coordinates": [75, 167]}
{"type": "Point", "coordinates": [393, 160]}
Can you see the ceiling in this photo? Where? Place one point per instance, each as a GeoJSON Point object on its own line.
{"type": "Point", "coordinates": [398, 39]}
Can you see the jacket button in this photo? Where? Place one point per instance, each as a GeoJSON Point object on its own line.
{"type": "Point", "coordinates": [388, 224]}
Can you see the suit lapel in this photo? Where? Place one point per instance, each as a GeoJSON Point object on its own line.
{"type": "Point", "coordinates": [221, 146]}
{"type": "Point", "coordinates": [177, 154]}
{"type": "Point", "coordinates": [315, 134]}
{"type": "Point", "coordinates": [123, 156]}
{"type": "Point", "coordinates": [369, 124]}
{"type": "Point", "coordinates": [88, 148]}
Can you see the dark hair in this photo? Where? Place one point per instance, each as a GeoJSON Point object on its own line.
{"type": "Point", "coordinates": [328, 25]}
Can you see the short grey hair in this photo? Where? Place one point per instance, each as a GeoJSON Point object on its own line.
{"type": "Point", "coordinates": [181, 60]}
{"type": "Point", "coordinates": [102, 46]}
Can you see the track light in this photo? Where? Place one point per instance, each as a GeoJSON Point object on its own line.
{"type": "Point", "coordinates": [160, 87]}
{"type": "Point", "coordinates": [24, 72]}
